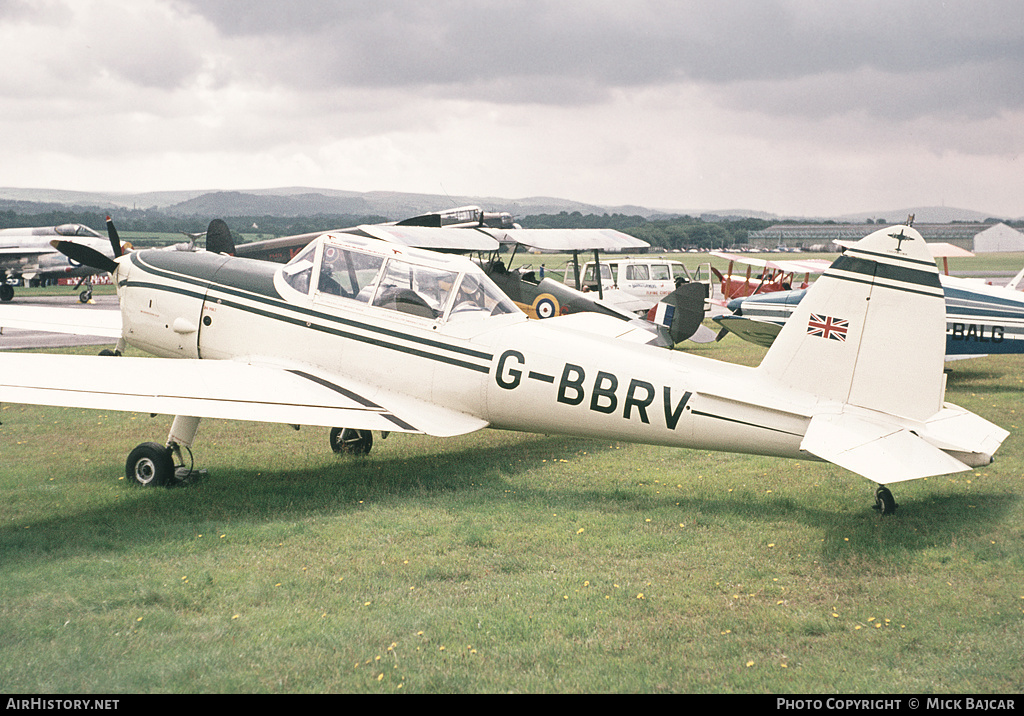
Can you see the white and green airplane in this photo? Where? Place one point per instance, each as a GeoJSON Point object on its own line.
{"type": "Point", "coordinates": [362, 335]}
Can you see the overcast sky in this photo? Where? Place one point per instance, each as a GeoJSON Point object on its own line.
{"type": "Point", "coordinates": [812, 107]}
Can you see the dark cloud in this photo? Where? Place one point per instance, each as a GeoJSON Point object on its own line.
{"type": "Point", "coordinates": [538, 50]}
{"type": "Point", "coordinates": [663, 102]}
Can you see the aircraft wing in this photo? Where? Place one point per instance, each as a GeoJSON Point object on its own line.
{"type": "Point", "coordinates": [432, 238]}
{"type": "Point", "coordinates": [420, 237]}
{"type": "Point", "coordinates": [76, 321]}
{"type": "Point", "coordinates": [568, 240]}
{"type": "Point", "coordinates": [20, 252]}
{"type": "Point", "coordinates": [219, 389]}
{"type": "Point", "coordinates": [785, 265]}
{"type": "Point", "coordinates": [938, 249]}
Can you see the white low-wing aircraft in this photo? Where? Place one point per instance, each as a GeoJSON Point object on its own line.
{"type": "Point", "coordinates": [28, 252]}
{"type": "Point", "coordinates": [370, 335]}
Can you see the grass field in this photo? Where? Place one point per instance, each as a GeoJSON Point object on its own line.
{"type": "Point", "coordinates": [502, 562]}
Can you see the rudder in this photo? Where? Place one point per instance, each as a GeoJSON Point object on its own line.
{"type": "Point", "coordinates": [871, 330]}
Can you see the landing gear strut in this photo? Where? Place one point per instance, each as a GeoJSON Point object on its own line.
{"type": "Point", "coordinates": [884, 502]}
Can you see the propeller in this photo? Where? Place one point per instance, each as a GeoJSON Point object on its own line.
{"type": "Point", "coordinates": [115, 240]}
{"type": "Point", "coordinates": [89, 256]}
{"type": "Point", "coordinates": [85, 255]}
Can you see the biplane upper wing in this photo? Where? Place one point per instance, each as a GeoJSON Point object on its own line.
{"type": "Point", "coordinates": [785, 265]}
{"type": "Point", "coordinates": [230, 390]}
{"type": "Point", "coordinates": [568, 240]}
{"type": "Point", "coordinates": [432, 238]}
{"type": "Point", "coordinates": [419, 237]}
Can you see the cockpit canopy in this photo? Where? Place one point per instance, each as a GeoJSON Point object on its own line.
{"type": "Point", "coordinates": [410, 281]}
{"type": "Point", "coordinates": [75, 230]}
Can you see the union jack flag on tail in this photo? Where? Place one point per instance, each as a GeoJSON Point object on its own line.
{"type": "Point", "coordinates": [834, 329]}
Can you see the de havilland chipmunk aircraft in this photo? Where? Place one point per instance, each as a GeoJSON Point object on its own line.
{"type": "Point", "coordinates": [28, 253]}
{"type": "Point", "coordinates": [374, 336]}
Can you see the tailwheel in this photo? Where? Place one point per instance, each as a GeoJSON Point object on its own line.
{"type": "Point", "coordinates": [149, 465]}
{"type": "Point", "coordinates": [351, 441]}
{"type": "Point", "coordinates": [884, 502]}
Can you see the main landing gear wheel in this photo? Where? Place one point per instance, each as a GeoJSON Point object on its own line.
{"type": "Point", "coordinates": [6, 293]}
{"type": "Point", "coordinates": [149, 465]}
{"type": "Point", "coordinates": [85, 296]}
{"type": "Point", "coordinates": [351, 441]}
{"type": "Point", "coordinates": [884, 502]}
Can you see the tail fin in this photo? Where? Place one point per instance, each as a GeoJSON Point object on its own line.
{"type": "Point", "coordinates": [218, 238]}
{"type": "Point", "coordinates": [871, 330]}
{"type": "Point", "coordinates": [682, 311]}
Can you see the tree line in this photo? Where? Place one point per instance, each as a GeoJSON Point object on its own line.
{"type": "Point", "coordinates": [669, 232]}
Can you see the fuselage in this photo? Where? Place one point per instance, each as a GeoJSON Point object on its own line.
{"type": "Point", "coordinates": [515, 373]}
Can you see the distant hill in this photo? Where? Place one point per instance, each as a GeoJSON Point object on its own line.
{"type": "Point", "coordinates": [922, 215]}
{"type": "Point", "coordinates": [307, 201]}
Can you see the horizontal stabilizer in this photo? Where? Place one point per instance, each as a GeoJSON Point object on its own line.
{"type": "Point", "coordinates": [972, 438]}
{"type": "Point", "coordinates": [761, 333]}
{"type": "Point", "coordinates": [882, 453]}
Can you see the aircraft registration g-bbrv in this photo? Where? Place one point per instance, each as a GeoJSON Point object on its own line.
{"type": "Point", "coordinates": [373, 336]}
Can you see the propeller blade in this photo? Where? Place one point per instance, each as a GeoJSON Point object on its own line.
{"type": "Point", "coordinates": [115, 240]}
{"type": "Point", "coordinates": [85, 255]}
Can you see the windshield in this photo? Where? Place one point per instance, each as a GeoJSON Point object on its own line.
{"type": "Point", "coordinates": [450, 287]}
{"type": "Point", "coordinates": [478, 295]}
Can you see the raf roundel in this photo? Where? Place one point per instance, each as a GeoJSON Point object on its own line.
{"type": "Point", "coordinates": [545, 306]}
